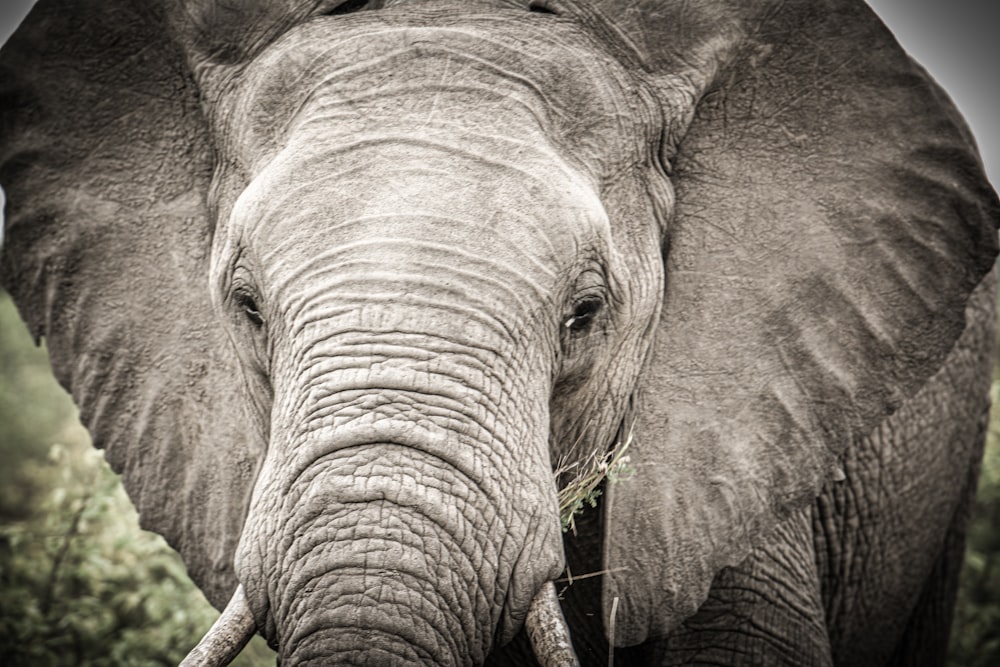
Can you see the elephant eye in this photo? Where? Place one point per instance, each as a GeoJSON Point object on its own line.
{"type": "Point", "coordinates": [541, 7]}
{"type": "Point", "coordinates": [583, 315]}
{"type": "Point", "coordinates": [249, 307]}
{"type": "Point", "coordinates": [348, 7]}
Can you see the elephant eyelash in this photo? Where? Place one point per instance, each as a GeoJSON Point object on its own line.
{"type": "Point", "coordinates": [348, 7]}
{"type": "Point", "coordinates": [250, 309]}
{"type": "Point", "coordinates": [583, 315]}
{"type": "Point", "coordinates": [541, 7]}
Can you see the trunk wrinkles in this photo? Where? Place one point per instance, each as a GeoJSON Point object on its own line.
{"type": "Point", "coordinates": [403, 514]}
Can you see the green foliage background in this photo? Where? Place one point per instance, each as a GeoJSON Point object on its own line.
{"type": "Point", "coordinates": [975, 635]}
{"type": "Point", "coordinates": [82, 584]}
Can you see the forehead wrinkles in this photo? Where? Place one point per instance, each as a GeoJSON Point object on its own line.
{"type": "Point", "coordinates": [374, 177]}
{"type": "Point", "coordinates": [462, 72]}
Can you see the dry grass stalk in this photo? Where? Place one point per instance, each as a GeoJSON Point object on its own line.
{"type": "Point", "coordinates": [584, 489]}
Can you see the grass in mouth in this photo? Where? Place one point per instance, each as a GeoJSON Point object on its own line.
{"type": "Point", "coordinates": [585, 488]}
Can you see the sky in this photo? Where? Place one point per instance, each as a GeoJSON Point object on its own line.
{"type": "Point", "coordinates": [953, 39]}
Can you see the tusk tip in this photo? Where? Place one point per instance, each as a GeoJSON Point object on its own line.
{"type": "Point", "coordinates": [227, 636]}
{"type": "Point", "coordinates": [548, 632]}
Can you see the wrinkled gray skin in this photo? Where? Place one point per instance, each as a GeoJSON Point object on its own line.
{"type": "Point", "coordinates": [338, 285]}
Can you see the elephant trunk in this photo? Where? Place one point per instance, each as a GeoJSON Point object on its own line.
{"type": "Point", "coordinates": [369, 562]}
{"type": "Point", "coordinates": [386, 553]}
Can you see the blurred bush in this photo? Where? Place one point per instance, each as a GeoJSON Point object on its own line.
{"type": "Point", "coordinates": [80, 582]}
{"type": "Point", "coordinates": [975, 634]}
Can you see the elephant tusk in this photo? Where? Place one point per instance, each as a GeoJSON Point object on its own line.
{"type": "Point", "coordinates": [227, 636]}
{"type": "Point", "coordinates": [548, 632]}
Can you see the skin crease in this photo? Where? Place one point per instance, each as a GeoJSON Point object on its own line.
{"type": "Point", "coordinates": [365, 274]}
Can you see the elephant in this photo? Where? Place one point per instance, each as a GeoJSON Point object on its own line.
{"type": "Point", "coordinates": [349, 291]}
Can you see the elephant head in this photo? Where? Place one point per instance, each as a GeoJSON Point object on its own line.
{"type": "Point", "coordinates": [337, 285]}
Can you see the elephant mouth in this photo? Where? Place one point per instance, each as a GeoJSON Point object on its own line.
{"type": "Point", "coordinates": [545, 624]}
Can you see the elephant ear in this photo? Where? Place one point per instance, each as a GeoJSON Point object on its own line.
{"type": "Point", "coordinates": [106, 163]}
{"type": "Point", "coordinates": [831, 221]}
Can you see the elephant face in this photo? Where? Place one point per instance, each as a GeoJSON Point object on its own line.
{"type": "Point", "coordinates": [434, 301]}
{"type": "Point", "coordinates": [339, 284]}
